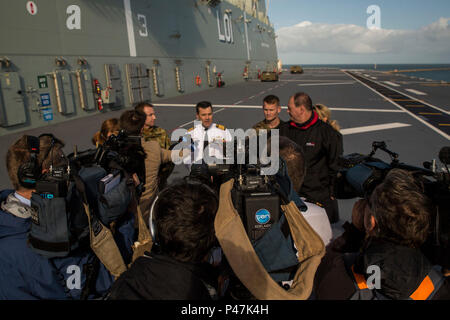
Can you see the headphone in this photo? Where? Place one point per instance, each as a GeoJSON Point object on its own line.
{"type": "Point", "coordinates": [29, 172]}
{"type": "Point", "coordinates": [189, 181]}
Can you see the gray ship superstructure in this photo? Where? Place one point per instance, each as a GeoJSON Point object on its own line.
{"type": "Point", "coordinates": [62, 60]}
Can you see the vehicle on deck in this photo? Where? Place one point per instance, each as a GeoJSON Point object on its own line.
{"type": "Point", "coordinates": [269, 76]}
{"type": "Point", "coordinates": [296, 69]}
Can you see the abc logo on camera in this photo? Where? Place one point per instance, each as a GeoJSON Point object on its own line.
{"type": "Point", "coordinates": [262, 216]}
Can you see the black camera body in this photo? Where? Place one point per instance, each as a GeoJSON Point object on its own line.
{"type": "Point", "coordinates": [254, 196]}
{"type": "Point", "coordinates": [54, 184]}
{"type": "Point", "coordinates": [126, 151]}
{"type": "Point", "coordinates": [96, 177]}
{"type": "Point", "coordinates": [360, 174]}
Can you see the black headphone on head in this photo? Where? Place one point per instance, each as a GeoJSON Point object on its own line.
{"type": "Point", "coordinates": [189, 181]}
{"type": "Point", "coordinates": [29, 172]}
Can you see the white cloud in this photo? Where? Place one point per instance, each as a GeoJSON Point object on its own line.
{"type": "Point", "coordinates": [308, 37]}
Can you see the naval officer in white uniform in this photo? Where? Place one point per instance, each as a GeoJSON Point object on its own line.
{"type": "Point", "coordinates": [207, 136]}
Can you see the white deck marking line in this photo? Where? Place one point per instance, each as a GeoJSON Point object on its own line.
{"type": "Point", "coordinates": [415, 98]}
{"type": "Point", "coordinates": [391, 84]}
{"type": "Point", "coordinates": [367, 110]}
{"type": "Point", "coordinates": [236, 106]}
{"type": "Point", "coordinates": [324, 84]}
{"type": "Point", "coordinates": [420, 93]}
{"type": "Point", "coordinates": [400, 107]}
{"type": "Point", "coordinates": [374, 128]}
{"type": "Point", "coordinates": [309, 80]}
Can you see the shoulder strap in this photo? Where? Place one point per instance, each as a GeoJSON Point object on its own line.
{"type": "Point", "coordinates": [144, 242]}
{"type": "Point", "coordinates": [101, 238]}
{"type": "Point", "coordinates": [362, 291]}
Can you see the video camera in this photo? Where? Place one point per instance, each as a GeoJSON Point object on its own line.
{"type": "Point", "coordinates": [361, 174]}
{"type": "Point", "coordinates": [255, 196]}
{"type": "Point", "coordinates": [95, 176]}
{"type": "Point", "coordinates": [125, 150]}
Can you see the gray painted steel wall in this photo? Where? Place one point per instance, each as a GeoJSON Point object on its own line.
{"type": "Point", "coordinates": [183, 32]}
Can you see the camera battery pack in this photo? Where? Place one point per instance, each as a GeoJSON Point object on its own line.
{"type": "Point", "coordinates": [261, 212]}
{"type": "Point", "coordinates": [108, 182]}
{"type": "Point", "coordinates": [50, 189]}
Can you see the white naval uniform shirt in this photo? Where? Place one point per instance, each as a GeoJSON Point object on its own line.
{"type": "Point", "coordinates": [217, 138]}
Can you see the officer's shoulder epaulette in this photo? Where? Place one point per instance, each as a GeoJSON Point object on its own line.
{"type": "Point", "coordinates": [221, 127]}
{"type": "Point", "coordinates": [189, 130]}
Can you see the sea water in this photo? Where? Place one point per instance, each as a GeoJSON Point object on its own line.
{"type": "Point", "coordinates": [441, 75]}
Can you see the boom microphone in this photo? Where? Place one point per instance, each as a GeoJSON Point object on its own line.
{"type": "Point", "coordinates": [444, 155]}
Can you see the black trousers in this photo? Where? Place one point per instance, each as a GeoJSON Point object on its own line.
{"type": "Point", "coordinates": [332, 209]}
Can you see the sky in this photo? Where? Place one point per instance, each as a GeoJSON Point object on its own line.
{"type": "Point", "coordinates": [337, 32]}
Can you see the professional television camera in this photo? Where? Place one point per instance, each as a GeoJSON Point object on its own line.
{"type": "Point", "coordinates": [126, 151]}
{"type": "Point", "coordinates": [360, 174]}
{"type": "Point", "coordinates": [99, 177]}
{"type": "Point", "coordinates": [255, 196]}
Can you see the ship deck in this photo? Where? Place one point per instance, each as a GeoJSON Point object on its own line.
{"type": "Point", "coordinates": [368, 105]}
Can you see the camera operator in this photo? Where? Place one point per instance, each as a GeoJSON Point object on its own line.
{"type": "Point", "coordinates": [176, 269]}
{"type": "Point", "coordinates": [24, 273]}
{"type": "Point", "coordinates": [386, 234]}
{"type": "Point", "coordinates": [132, 123]}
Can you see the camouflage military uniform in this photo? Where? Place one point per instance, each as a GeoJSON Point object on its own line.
{"type": "Point", "coordinates": [157, 134]}
{"type": "Point", "coordinates": [160, 135]}
{"type": "Point", "coordinates": [263, 125]}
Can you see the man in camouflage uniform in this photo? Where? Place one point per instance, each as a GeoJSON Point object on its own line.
{"type": "Point", "coordinates": [155, 133]}
{"type": "Point", "coordinates": [272, 109]}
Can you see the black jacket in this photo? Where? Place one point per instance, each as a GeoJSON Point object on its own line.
{"type": "Point", "coordinates": [402, 269]}
{"type": "Point", "coordinates": [159, 277]}
{"type": "Point", "coordinates": [322, 145]}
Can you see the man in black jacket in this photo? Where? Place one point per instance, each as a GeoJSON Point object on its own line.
{"type": "Point", "coordinates": [379, 255]}
{"type": "Point", "coordinates": [177, 267]}
{"type": "Point", "coordinates": [322, 145]}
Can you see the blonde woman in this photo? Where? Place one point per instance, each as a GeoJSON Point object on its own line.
{"type": "Point", "coordinates": [324, 114]}
{"type": "Point", "coordinates": [109, 127]}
